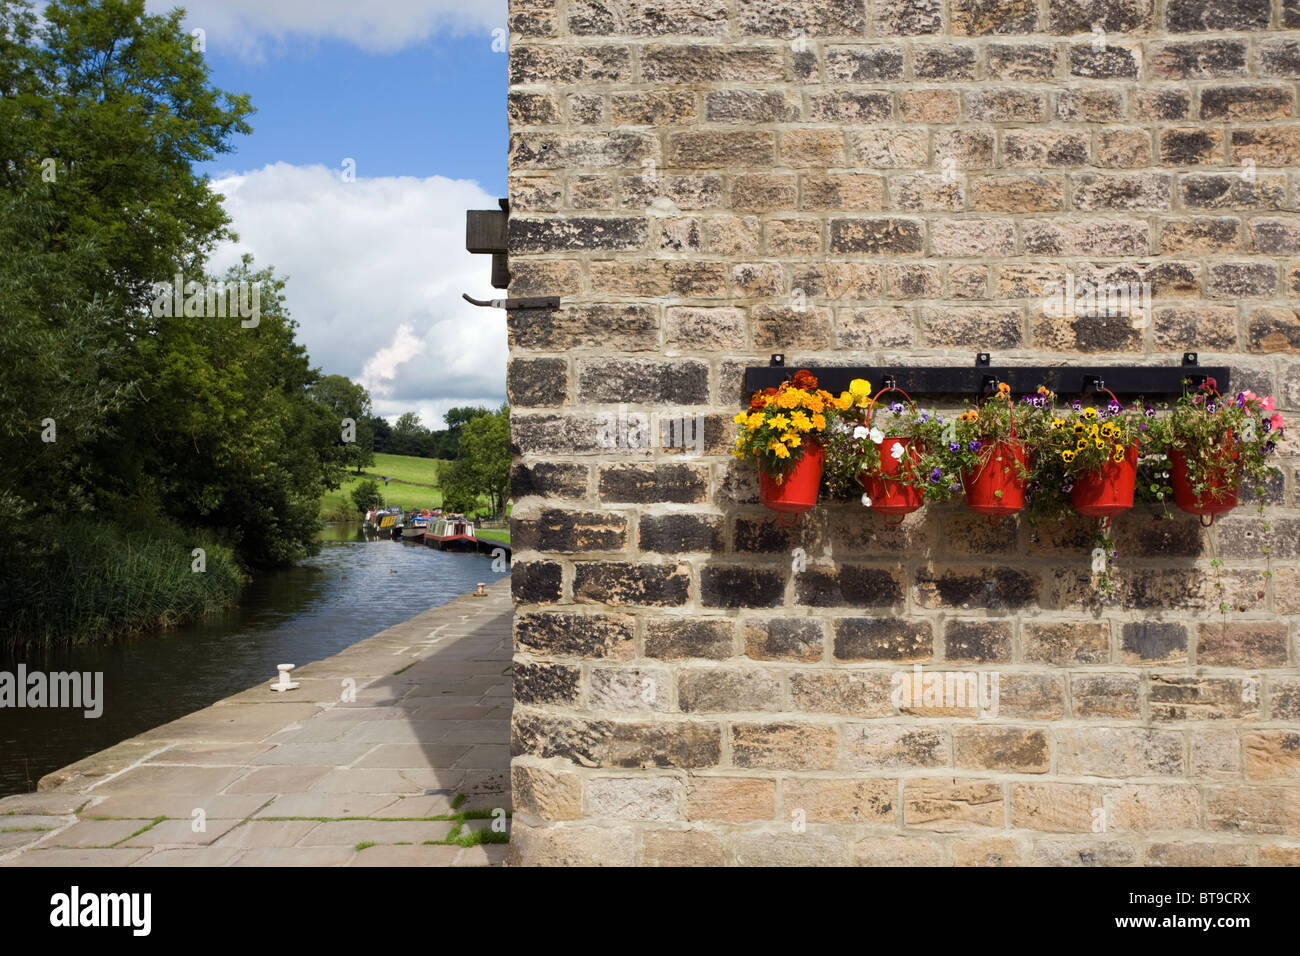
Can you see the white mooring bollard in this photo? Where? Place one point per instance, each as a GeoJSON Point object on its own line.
{"type": "Point", "coordinates": [283, 681]}
{"type": "Point", "coordinates": [482, 590]}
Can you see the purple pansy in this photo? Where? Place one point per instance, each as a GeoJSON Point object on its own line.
{"type": "Point", "coordinates": [935, 476]}
{"type": "Point", "coordinates": [974, 445]}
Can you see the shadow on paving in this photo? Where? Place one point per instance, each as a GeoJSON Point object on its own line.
{"type": "Point", "coordinates": [393, 752]}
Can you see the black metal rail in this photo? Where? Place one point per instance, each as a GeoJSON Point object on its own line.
{"type": "Point", "coordinates": [983, 378]}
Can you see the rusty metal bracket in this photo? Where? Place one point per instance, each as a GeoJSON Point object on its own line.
{"type": "Point", "coordinates": [511, 305]}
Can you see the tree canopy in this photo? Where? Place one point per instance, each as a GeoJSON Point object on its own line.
{"type": "Point", "coordinates": [208, 419]}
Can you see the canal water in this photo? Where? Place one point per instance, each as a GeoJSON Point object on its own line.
{"type": "Point", "coordinates": [353, 589]}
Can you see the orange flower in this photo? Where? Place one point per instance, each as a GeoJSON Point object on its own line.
{"type": "Point", "coordinates": [804, 379]}
{"type": "Point", "coordinates": [1004, 389]}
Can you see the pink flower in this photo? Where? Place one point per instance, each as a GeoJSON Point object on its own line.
{"type": "Point", "coordinates": [1276, 421]}
{"type": "Point", "coordinates": [1266, 403]}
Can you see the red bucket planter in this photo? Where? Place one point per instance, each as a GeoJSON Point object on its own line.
{"type": "Point", "coordinates": [1109, 490]}
{"type": "Point", "coordinates": [1219, 498]}
{"type": "Point", "coordinates": [797, 491]}
{"type": "Point", "coordinates": [996, 487]}
{"type": "Point", "coordinates": [889, 494]}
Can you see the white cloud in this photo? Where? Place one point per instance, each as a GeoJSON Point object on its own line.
{"type": "Point", "coordinates": [376, 268]}
{"type": "Point", "coordinates": [249, 26]}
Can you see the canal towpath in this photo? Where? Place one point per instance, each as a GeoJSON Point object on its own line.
{"type": "Point", "coordinates": [392, 752]}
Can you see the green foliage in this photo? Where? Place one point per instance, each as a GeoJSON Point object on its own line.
{"type": "Point", "coordinates": [97, 578]}
{"type": "Point", "coordinates": [1220, 440]}
{"type": "Point", "coordinates": [458, 491]}
{"type": "Point", "coordinates": [349, 402]}
{"type": "Point", "coordinates": [114, 407]}
{"type": "Point", "coordinates": [485, 454]}
{"type": "Point", "coordinates": [366, 496]}
{"type": "Point", "coordinates": [228, 435]}
{"type": "Point", "coordinates": [863, 438]}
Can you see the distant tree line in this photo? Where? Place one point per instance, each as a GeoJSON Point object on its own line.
{"type": "Point", "coordinates": [408, 436]}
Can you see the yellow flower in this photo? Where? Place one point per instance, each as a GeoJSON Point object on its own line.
{"type": "Point", "coordinates": [1100, 444]}
{"type": "Point", "coordinates": [1081, 444]}
{"type": "Point", "coordinates": [1090, 413]}
{"type": "Point", "coordinates": [741, 418]}
{"type": "Point", "coordinates": [801, 422]}
{"type": "Point", "coordinates": [778, 449]}
{"type": "Point", "coordinates": [791, 439]}
{"type": "Point", "coordinates": [1120, 453]}
{"type": "Point", "coordinates": [846, 401]}
{"type": "Point", "coordinates": [860, 388]}
{"type": "Point", "coordinates": [1078, 428]}
{"type": "Point", "coordinates": [1108, 430]}
{"type": "Point", "coordinates": [779, 422]}
{"type": "Point", "coordinates": [755, 421]}
{"type": "Point", "coordinates": [814, 403]}
{"type": "Point", "coordinates": [1093, 431]}
{"type": "Point", "coordinates": [819, 422]}
{"type": "Point", "coordinates": [1058, 424]}
{"type": "Point", "coordinates": [1067, 456]}
{"type": "Point", "coordinates": [790, 398]}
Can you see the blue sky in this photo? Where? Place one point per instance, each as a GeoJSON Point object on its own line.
{"type": "Point", "coordinates": [414, 91]}
{"type": "Point", "coordinates": [435, 107]}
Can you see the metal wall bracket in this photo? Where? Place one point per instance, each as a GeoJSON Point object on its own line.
{"type": "Point", "coordinates": [511, 305]}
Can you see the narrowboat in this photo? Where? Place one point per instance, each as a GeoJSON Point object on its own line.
{"type": "Point", "coordinates": [451, 533]}
{"type": "Point", "coordinates": [417, 523]}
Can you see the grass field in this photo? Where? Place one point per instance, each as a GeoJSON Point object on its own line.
{"type": "Point", "coordinates": [413, 484]}
{"type": "Point", "coordinates": [493, 534]}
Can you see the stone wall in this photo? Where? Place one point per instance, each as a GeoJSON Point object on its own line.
{"type": "Point", "coordinates": [868, 182]}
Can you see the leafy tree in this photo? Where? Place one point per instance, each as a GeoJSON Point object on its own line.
{"type": "Point", "coordinates": [347, 400]}
{"type": "Point", "coordinates": [382, 434]}
{"type": "Point", "coordinates": [230, 436]}
{"type": "Point", "coordinates": [366, 496]}
{"type": "Point", "coordinates": [103, 109]}
{"type": "Point", "coordinates": [485, 454]}
{"type": "Point", "coordinates": [457, 418]}
{"type": "Point", "coordinates": [458, 493]}
{"type": "Point", "coordinates": [409, 436]}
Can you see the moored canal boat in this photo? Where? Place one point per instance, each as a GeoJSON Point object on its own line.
{"type": "Point", "coordinates": [415, 526]}
{"type": "Point", "coordinates": [451, 533]}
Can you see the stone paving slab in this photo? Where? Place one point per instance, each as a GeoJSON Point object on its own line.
{"type": "Point", "coordinates": [375, 761]}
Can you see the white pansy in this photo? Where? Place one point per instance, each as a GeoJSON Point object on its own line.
{"type": "Point", "coordinates": [896, 452]}
{"type": "Point", "coordinates": [859, 433]}
{"type": "Point", "coordinates": [866, 501]}
{"type": "Point", "coordinates": [877, 436]}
